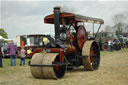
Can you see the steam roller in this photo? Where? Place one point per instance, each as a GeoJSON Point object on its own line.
{"type": "Point", "coordinates": [70, 48]}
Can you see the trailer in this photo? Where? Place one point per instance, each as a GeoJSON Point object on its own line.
{"type": "Point", "coordinates": [32, 43]}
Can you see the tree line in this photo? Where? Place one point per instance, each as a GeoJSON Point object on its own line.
{"type": "Point", "coordinates": [3, 33]}
{"type": "Point", "coordinates": [120, 24]}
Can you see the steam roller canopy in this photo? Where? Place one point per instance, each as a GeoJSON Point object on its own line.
{"type": "Point", "coordinates": [53, 72]}
{"type": "Point", "coordinates": [91, 55]}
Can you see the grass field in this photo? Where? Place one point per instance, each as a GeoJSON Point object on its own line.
{"type": "Point", "coordinates": [113, 71]}
{"type": "Point", "coordinates": [6, 62]}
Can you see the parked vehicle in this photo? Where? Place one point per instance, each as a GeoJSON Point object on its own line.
{"type": "Point", "coordinates": [122, 40]}
{"type": "Point", "coordinates": [6, 51]}
{"type": "Point", "coordinates": [103, 38]}
{"type": "Point", "coordinates": [4, 45]}
{"type": "Point", "coordinates": [32, 43]}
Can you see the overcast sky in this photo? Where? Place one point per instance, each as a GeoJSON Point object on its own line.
{"type": "Point", "coordinates": [19, 17]}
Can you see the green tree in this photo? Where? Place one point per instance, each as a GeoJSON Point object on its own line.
{"type": "Point", "coordinates": [3, 33]}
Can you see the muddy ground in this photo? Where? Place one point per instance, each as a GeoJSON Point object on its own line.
{"type": "Point", "coordinates": [113, 70]}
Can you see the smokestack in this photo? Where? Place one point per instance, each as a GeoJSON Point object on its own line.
{"type": "Point", "coordinates": [57, 22]}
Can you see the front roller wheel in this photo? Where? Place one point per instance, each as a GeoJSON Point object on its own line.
{"type": "Point", "coordinates": [91, 55]}
{"type": "Point", "coordinates": [47, 70]}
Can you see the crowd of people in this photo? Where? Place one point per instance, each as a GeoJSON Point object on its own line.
{"type": "Point", "coordinates": [13, 53]}
{"type": "Point", "coordinates": [116, 45]}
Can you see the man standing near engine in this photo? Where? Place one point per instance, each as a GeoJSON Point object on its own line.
{"type": "Point", "coordinates": [12, 51]}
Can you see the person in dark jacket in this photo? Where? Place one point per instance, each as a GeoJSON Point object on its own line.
{"type": "Point", "coordinates": [12, 51]}
{"type": "Point", "coordinates": [1, 54]}
{"type": "Point", "coordinates": [127, 43]}
{"type": "Point", "coordinates": [117, 45]}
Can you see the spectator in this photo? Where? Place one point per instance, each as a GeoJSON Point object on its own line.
{"type": "Point", "coordinates": [127, 43]}
{"type": "Point", "coordinates": [114, 45]}
{"type": "Point", "coordinates": [12, 51]}
{"type": "Point", "coordinates": [22, 56]}
{"type": "Point", "coordinates": [29, 51]}
{"type": "Point", "coordinates": [117, 44]}
{"type": "Point", "coordinates": [1, 54]}
{"type": "Point", "coordinates": [110, 44]}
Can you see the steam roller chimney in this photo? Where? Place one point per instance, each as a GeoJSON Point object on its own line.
{"type": "Point", "coordinates": [57, 22]}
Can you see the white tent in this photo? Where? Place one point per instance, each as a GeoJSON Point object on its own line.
{"type": "Point", "coordinates": [1, 37]}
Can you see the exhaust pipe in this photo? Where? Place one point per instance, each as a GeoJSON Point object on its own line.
{"type": "Point", "coordinates": [57, 22]}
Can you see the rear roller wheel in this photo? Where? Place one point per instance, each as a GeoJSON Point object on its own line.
{"type": "Point", "coordinates": [105, 47]}
{"type": "Point", "coordinates": [91, 55]}
{"type": "Point", "coordinates": [54, 72]}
